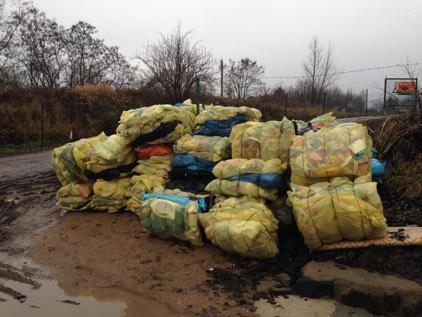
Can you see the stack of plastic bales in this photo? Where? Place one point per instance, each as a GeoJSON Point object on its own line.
{"type": "Point", "coordinates": [332, 194]}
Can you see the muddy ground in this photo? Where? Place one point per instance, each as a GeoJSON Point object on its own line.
{"type": "Point", "coordinates": [91, 249]}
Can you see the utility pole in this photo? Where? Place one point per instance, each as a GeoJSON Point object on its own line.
{"type": "Point", "coordinates": [366, 100]}
{"type": "Point", "coordinates": [221, 78]}
{"type": "Point", "coordinates": [197, 90]}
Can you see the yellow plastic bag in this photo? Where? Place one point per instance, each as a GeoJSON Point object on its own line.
{"type": "Point", "coordinates": [338, 210]}
{"type": "Point", "coordinates": [74, 196]}
{"type": "Point", "coordinates": [263, 140]}
{"type": "Point", "coordinates": [333, 151]}
{"type": "Point", "coordinates": [243, 226]}
{"type": "Point", "coordinates": [113, 152]}
{"type": "Point", "coordinates": [211, 148]}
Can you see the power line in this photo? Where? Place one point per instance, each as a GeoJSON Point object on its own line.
{"type": "Point", "coordinates": [359, 70]}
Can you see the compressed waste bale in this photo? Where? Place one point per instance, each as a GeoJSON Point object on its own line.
{"type": "Point", "coordinates": [338, 210]}
{"type": "Point", "coordinates": [155, 165]}
{"type": "Point", "coordinates": [69, 160]}
{"type": "Point", "coordinates": [115, 151]}
{"type": "Point", "coordinates": [263, 140]}
{"type": "Point", "coordinates": [315, 124]}
{"type": "Point", "coordinates": [211, 148]}
{"type": "Point", "coordinates": [242, 225]}
{"type": "Point", "coordinates": [241, 177]}
{"type": "Point", "coordinates": [144, 153]}
{"type": "Point", "coordinates": [333, 151]}
{"type": "Point", "coordinates": [74, 196]}
{"type": "Point", "coordinates": [135, 123]}
{"type": "Point", "coordinates": [110, 196]}
{"type": "Point", "coordinates": [170, 216]}
{"type": "Point", "coordinates": [217, 113]}
{"type": "Point", "coordinates": [219, 120]}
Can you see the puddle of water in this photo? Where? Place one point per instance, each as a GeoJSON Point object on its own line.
{"type": "Point", "coordinates": [53, 299]}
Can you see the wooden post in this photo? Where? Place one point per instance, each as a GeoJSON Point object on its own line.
{"type": "Point", "coordinates": [221, 77]}
{"type": "Point", "coordinates": [286, 100]}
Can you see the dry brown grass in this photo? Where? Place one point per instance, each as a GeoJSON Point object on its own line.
{"type": "Point", "coordinates": [398, 140]}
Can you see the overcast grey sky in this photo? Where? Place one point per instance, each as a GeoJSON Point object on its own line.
{"type": "Point", "coordinates": [364, 33]}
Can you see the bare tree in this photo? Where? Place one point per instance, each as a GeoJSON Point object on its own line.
{"type": "Point", "coordinates": [241, 76]}
{"type": "Point", "coordinates": [89, 59]}
{"type": "Point", "coordinates": [11, 17]}
{"type": "Point", "coordinates": [412, 71]}
{"type": "Point", "coordinates": [319, 70]}
{"type": "Point", "coordinates": [41, 49]}
{"type": "Point", "coordinates": [174, 63]}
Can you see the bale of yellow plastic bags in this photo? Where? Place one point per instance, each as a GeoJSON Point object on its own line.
{"type": "Point", "coordinates": [233, 178]}
{"type": "Point", "coordinates": [263, 140]}
{"type": "Point", "coordinates": [211, 148]}
{"type": "Point", "coordinates": [113, 152]}
{"type": "Point", "coordinates": [171, 215]}
{"type": "Point", "coordinates": [242, 225]}
{"type": "Point", "coordinates": [136, 122]}
{"type": "Point", "coordinates": [74, 196]}
{"type": "Point", "coordinates": [338, 210]}
{"type": "Point", "coordinates": [333, 151]}
{"type": "Point", "coordinates": [218, 113]}
{"type": "Point", "coordinates": [155, 165]}
{"type": "Point", "coordinates": [110, 196]}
